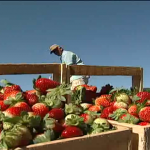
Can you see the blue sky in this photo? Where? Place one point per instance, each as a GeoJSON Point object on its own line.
{"type": "Point", "coordinates": [101, 33]}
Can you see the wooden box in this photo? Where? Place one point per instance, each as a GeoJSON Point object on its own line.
{"type": "Point", "coordinates": [119, 139]}
{"type": "Point", "coordinates": [140, 135]}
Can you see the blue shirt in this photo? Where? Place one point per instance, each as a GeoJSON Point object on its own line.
{"type": "Point", "coordinates": [70, 58]}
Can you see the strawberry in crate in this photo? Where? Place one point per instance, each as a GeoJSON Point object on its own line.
{"type": "Point", "coordinates": [88, 92]}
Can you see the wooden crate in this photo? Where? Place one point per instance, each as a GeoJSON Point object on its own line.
{"type": "Point", "coordinates": [58, 70]}
{"type": "Point", "coordinates": [140, 135]}
{"type": "Point", "coordinates": [135, 72]}
{"type": "Point", "coordinates": [119, 139]}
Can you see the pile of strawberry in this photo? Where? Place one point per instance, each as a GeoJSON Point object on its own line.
{"type": "Point", "coordinates": [124, 105]}
{"type": "Point", "coordinates": [41, 114]}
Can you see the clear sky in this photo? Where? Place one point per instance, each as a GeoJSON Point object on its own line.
{"type": "Point", "coordinates": [101, 33]}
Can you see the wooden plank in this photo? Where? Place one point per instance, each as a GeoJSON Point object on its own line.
{"type": "Point", "coordinates": [7, 69]}
{"type": "Point", "coordinates": [104, 70]}
{"type": "Point", "coordinates": [105, 141]}
{"type": "Point", "coordinates": [137, 81]}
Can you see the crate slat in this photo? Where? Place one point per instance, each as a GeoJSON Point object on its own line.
{"type": "Point", "coordinates": [104, 70]}
{"type": "Point", "coordinates": [135, 72]}
{"type": "Point", "coordinates": [58, 70]}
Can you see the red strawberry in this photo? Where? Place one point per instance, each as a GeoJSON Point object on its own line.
{"type": "Point", "coordinates": [71, 131]}
{"type": "Point", "coordinates": [13, 111]}
{"type": "Point", "coordinates": [23, 105]}
{"type": "Point", "coordinates": [103, 100]}
{"type": "Point", "coordinates": [56, 113]}
{"type": "Point", "coordinates": [3, 106]}
{"type": "Point", "coordinates": [95, 108]}
{"type": "Point", "coordinates": [133, 110]}
{"type": "Point", "coordinates": [31, 99]}
{"type": "Point", "coordinates": [30, 92]}
{"type": "Point", "coordinates": [12, 95]}
{"type": "Point", "coordinates": [127, 118]}
{"type": "Point", "coordinates": [106, 112]}
{"type": "Point", "coordinates": [58, 127]}
{"type": "Point", "coordinates": [118, 105]}
{"type": "Point", "coordinates": [143, 97]}
{"type": "Point", "coordinates": [88, 119]}
{"type": "Point", "coordinates": [1, 96]}
{"type": "Point", "coordinates": [144, 114]}
{"type": "Point", "coordinates": [90, 88]}
{"type": "Point", "coordinates": [40, 109]}
{"type": "Point", "coordinates": [43, 84]}
{"type": "Point", "coordinates": [144, 123]}
{"type": "Point", "coordinates": [9, 89]}
{"type": "Point", "coordinates": [63, 123]}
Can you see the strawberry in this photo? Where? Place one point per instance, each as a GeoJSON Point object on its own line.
{"type": "Point", "coordinates": [43, 84]}
{"type": "Point", "coordinates": [1, 96]}
{"type": "Point", "coordinates": [9, 87]}
{"type": "Point", "coordinates": [95, 108]}
{"type": "Point", "coordinates": [23, 105]}
{"type": "Point", "coordinates": [73, 109]}
{"type": "Point", "coordinates": [58, 127]}
{"type": "Point", "coordinates": [133, 110]}
{"type": "Point", "coordinates": [88, 119]}
{"type": "Point", "coordinates": [13, 111]}
{"type": "Point", "coordinates": [56, 113]}
{"type": "Point", "coordinates": [144, 114]}
{"type": "Point", "coordinates": [118, 105]}
{"type": "Point", "coordinates": [122, 97]}
{"type": "Point", "coordinates": [101, 122]}
{"type": "Point", "coordinates": [63, 123]}
{"type": "Point", "coordinates": [31, 99]}
{"type": "Point", "coordinates": [74, 120]}
{"type": "Point", "coordinates": [30, 91]}
{"type": "Point", "coordinates": [141, 97]}
{"type": "Point", "coordinates": [89, 88]}
{"type": "Point", "coordinates": [106, 112]}
{"type": "Point", "coordinates": [13, 95]}
{"type": "Point", "coordinates": [127, 118]}
{"type": "Point", "coordinates": [44, 137]}
{"type": "Point", "coordinates": [3, 106]}
{"type": "Point", "coordinates": [17, 137]}
{"type": "Point", "coordinates": [144, 123]}
{"type": "Point", "coordinates": [72, 131]}
{"type": "Point", "coordinates": [85, 106]}
{"type": "Point", "coordinates": [40, 109]}
{"type": "Point", "coordinates": [103, 100]}
{"type": "Point", "coordinates": [50, 123]}
{"type": "Point", "coordinates": [117, 113]}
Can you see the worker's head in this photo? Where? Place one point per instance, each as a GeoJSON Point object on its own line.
{"type": "Point", "coordinates": [56, 49]}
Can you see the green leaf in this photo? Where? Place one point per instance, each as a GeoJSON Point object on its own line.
{"type": "Point", "coordinates": [13, 120]}
{"type": "Point", "coordinates": [6, 82]}
{"type": "Point", "coordinates": [3, 145]}
{"type": "Point", "coordinates": [136, 98]}
{"type": "Point", "coordinates": [7, 102]}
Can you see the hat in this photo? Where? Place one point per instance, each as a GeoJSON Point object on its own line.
{"type": "Point", "coordinates": [53, 47]}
